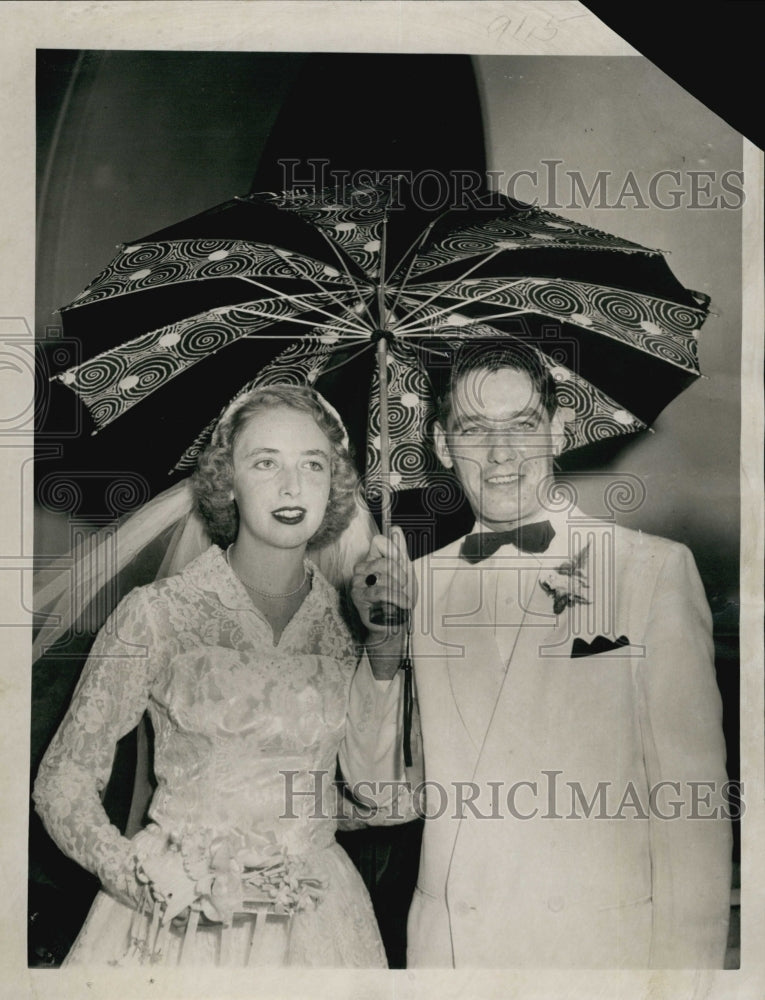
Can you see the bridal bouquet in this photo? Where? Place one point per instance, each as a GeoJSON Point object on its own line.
{"type": "Point", "coordinates": [238, 872]}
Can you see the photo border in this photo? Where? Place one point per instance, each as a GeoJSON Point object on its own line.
{"type": "Point", "coordinates": [319, 26]}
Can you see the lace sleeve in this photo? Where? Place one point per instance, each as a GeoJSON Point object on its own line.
{"type": "Point", "coordinates": [108, 702]}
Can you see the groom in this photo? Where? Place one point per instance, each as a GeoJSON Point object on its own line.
{"type": "Point", "coordinates": [574, 799]}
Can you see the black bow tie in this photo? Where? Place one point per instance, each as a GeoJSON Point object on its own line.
{"type": "Point", "coordinates": [534, 537]}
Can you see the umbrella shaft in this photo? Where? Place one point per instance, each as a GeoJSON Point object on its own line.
{"type": "Point", "coordinates": [382, 379]}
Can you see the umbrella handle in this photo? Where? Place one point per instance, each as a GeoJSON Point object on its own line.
{"type": "Point", "coordinates": [385, 613]}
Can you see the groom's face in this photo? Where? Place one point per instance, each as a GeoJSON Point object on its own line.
{"type": "Point", "coordinates": [500, 441]}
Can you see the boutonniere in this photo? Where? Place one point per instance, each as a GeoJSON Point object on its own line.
{"type": "Point", "coordinates": [566, 584]}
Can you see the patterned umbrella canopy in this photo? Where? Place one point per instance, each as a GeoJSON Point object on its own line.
{"type": "Point", "coordinates": [346, 291]}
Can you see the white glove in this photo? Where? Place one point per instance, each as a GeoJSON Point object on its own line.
{"type": "Point", "coordinates": [169, 882]}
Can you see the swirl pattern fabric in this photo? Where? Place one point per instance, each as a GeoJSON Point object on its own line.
{"type": "Point", "coordinates": [357, 264]}
{"type": "Point", "coordinates": [589, 415]}
{"type": "Point", "coordinates": [410, 421]}
{"type": "Point", "coordinates": [528, 228]}
{"type": "Point", "coordinates": [147, 265]}
{"type": "Point", "coordinates": [354, 228]}
{"type": "Point", "coordinates": [655, 326]}
{"type": "Point", "coordinates": [299, 364]}
{"type": "Point", "coordinates": [113, 382]}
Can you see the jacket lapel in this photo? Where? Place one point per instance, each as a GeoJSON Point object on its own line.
{"type": "Point", "coordinates": [545, 639]}
{"type": "Point", "coordinates": [473, 664]}
{"type": "Point", "coordinates": [541, 630]}
{"type": "Point", "coordinates": [481, 640]}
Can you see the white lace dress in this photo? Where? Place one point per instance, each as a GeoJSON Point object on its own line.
{"type": "Point", "coordinates": [246, 736]}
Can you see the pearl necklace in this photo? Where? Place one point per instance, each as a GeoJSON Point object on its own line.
{"type": "Point", "coordinates": [263, 593]}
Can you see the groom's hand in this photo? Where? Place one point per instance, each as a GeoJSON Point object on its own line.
{"type": "Point", "coordinates": [384, 578]}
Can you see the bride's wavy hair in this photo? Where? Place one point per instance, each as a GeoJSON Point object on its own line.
{"type": "Point", "coordinates": [213, 479]}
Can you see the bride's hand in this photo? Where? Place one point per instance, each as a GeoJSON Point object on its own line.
{"type": "Point", "coordinates": [169, 882]}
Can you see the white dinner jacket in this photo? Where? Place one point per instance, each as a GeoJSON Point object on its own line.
{"type": "Point", "coordinates": [568, 852]}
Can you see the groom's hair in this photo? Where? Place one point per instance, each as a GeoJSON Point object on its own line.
{"type": "Point", "coordinates": [490, 354]}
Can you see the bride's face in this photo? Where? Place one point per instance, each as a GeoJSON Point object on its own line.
{"type": "Point", "coordinates": [281, 461]}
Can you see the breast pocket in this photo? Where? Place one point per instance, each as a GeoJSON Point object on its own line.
{"type": "Point", "coordinates": [602, 646]}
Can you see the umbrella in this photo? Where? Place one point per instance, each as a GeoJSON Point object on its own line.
{"type": "Point", "coordinates": [346, 290]}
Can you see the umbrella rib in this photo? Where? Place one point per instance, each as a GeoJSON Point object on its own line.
{"type": "Point", "coordinates": [439, 312]}
{"type": "Point", "coordinates": [350, 278]}
{"type": "Point", "coordinates": [365, 347]}
{"type": "Point", "coordinates": [295, 300]}
{"type": "Point", "coordinates": [328, 291]}
{"type": "Point", "coordinates": [346, 334]}
{"type": "Point", "coordinates": [451, 284]}
{"type": "Point", "coordinates": [414, 331]}
{"type": "Point", "coordinates": [417, 240]}
{"type": "Point", "coordinates": [381, 283]}
{"type": "Point", "coordinates": [415, 243]}
{"type": "Point", "coordinates": [420, 240]}
{"type": "Point", "coordinates": [417, 331]}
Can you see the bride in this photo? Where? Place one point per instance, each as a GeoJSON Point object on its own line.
{"type": "Point", "coordinates": [243, 661]}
